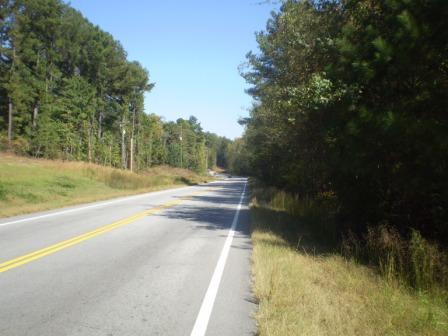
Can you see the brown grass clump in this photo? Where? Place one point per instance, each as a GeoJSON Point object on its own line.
{"type": "Point", "coordinates": [414, 262]}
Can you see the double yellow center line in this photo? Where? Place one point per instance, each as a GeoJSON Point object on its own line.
{"type": "Point", "coordinates": [22, 260]}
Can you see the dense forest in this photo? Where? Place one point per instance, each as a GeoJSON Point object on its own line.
{"type": "Point", "coordinates": [68, 91]}
{"type": "Point", "coordinates": [350, 107]}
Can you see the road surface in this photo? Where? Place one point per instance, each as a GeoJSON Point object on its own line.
{"type": "Point", "coordinates": [174, 262]}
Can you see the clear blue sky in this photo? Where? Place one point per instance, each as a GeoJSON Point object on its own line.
{"type": "Point", "coordinates": [192, 50]}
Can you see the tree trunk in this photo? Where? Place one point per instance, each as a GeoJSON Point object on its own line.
{"type": "Point", "coordinates": [138, 150]}
{"type": "Point", "coordinates": [9, 122]}
{"type": "Point", "coordinates": [35, 113]}
{"type": "Point", "coordinates": [100, 122]}
{"type": "Point", "coordinates": [36, 106]}
{"type": "Point", "coordinates": [131, 159]}
{"type": "Point", "coordinates": [123, 147]}
{"type": "Point", "coordinates": [149, 163]}
{"type": "Point", "coordinates": [181, 148]}
{"type": "Point", "coordinates": [131, 162]}
{"type": "Point", "coordinates": [89, 143]}
{"type": "Point", "coordinates": [110, 155]}
{"type": "Point", "coordinates": [9, 97]}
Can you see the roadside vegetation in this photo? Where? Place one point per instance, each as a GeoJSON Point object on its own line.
{"type": "Point", "coordinates": [28, 185]}
{"type": "Point", "coordinates": [348, 138]}
{"type": "Point", "coordinates": [307, 284]}
{"type": "Point", "coordinates": [350, 104]}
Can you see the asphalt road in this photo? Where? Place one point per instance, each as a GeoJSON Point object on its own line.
{"type": "Point", "coordinates": [168, 263]}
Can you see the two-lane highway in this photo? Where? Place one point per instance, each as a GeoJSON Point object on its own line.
{"type": "Point", "coordinates": [175, 262]}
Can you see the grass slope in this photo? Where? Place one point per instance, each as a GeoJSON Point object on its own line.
{"type": "Point", "coordinates": [305, 289]}
{"type": "Point", "coordinates": [28, 185]}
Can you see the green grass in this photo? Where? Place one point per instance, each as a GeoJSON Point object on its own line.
{"type": "Point", "coordinates": [28, 185]}
{"type": "Point", "coordinates": [304, 286]}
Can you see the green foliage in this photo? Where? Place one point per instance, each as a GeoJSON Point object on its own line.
{"type": "Point", "coordinates": [237, 157]}
{"type": "Point", "coordinates": [74, 95]}
{"type": "Point", "coordinates": [350, 99]}
{"type": "Point", "coordinates": [2, 192]}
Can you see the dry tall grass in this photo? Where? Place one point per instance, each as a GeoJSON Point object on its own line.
{"type": "Point", "coordinates": [28, 185]}
{"type": "Point", "coordinates": [305, 286]}
{"type": "Point", "coordinates": [413, 262]}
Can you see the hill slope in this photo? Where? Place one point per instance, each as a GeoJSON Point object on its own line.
{"type": "Point", "coordinates": [28, 185]}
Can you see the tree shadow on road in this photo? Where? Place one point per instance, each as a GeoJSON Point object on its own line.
{"type": "Point", "coordinates": [214, 211]}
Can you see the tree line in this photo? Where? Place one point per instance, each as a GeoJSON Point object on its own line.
{"type": "Point", "coordinates": [68, 91]}
{"type": "Point", "coordinates": [350, 103]}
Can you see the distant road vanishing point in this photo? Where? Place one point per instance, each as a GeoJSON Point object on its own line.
{"type": "Point", "coordinates": [174, 262]}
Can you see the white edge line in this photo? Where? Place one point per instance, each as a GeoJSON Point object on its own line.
{"type": "Point", "coordinates": [200, 326]}
{"type": "Point", "coordinates": [94, 205]}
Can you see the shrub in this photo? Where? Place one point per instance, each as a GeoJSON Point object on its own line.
{"type": "Point", "coordinates": [413, 260]}
{"type": "Point", "coordinates": [18, 145]}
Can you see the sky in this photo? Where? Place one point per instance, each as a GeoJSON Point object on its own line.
{"type": "Point", "coordinates": [192, 50]}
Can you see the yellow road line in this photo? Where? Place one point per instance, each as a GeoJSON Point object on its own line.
{"type": "Point", "coordinates": [16, 262]}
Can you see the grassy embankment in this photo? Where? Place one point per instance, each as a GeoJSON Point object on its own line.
{"type": "Point", "coordinates": [28, 185]}
{"type": "Point", "coordinates": [305, 286]}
